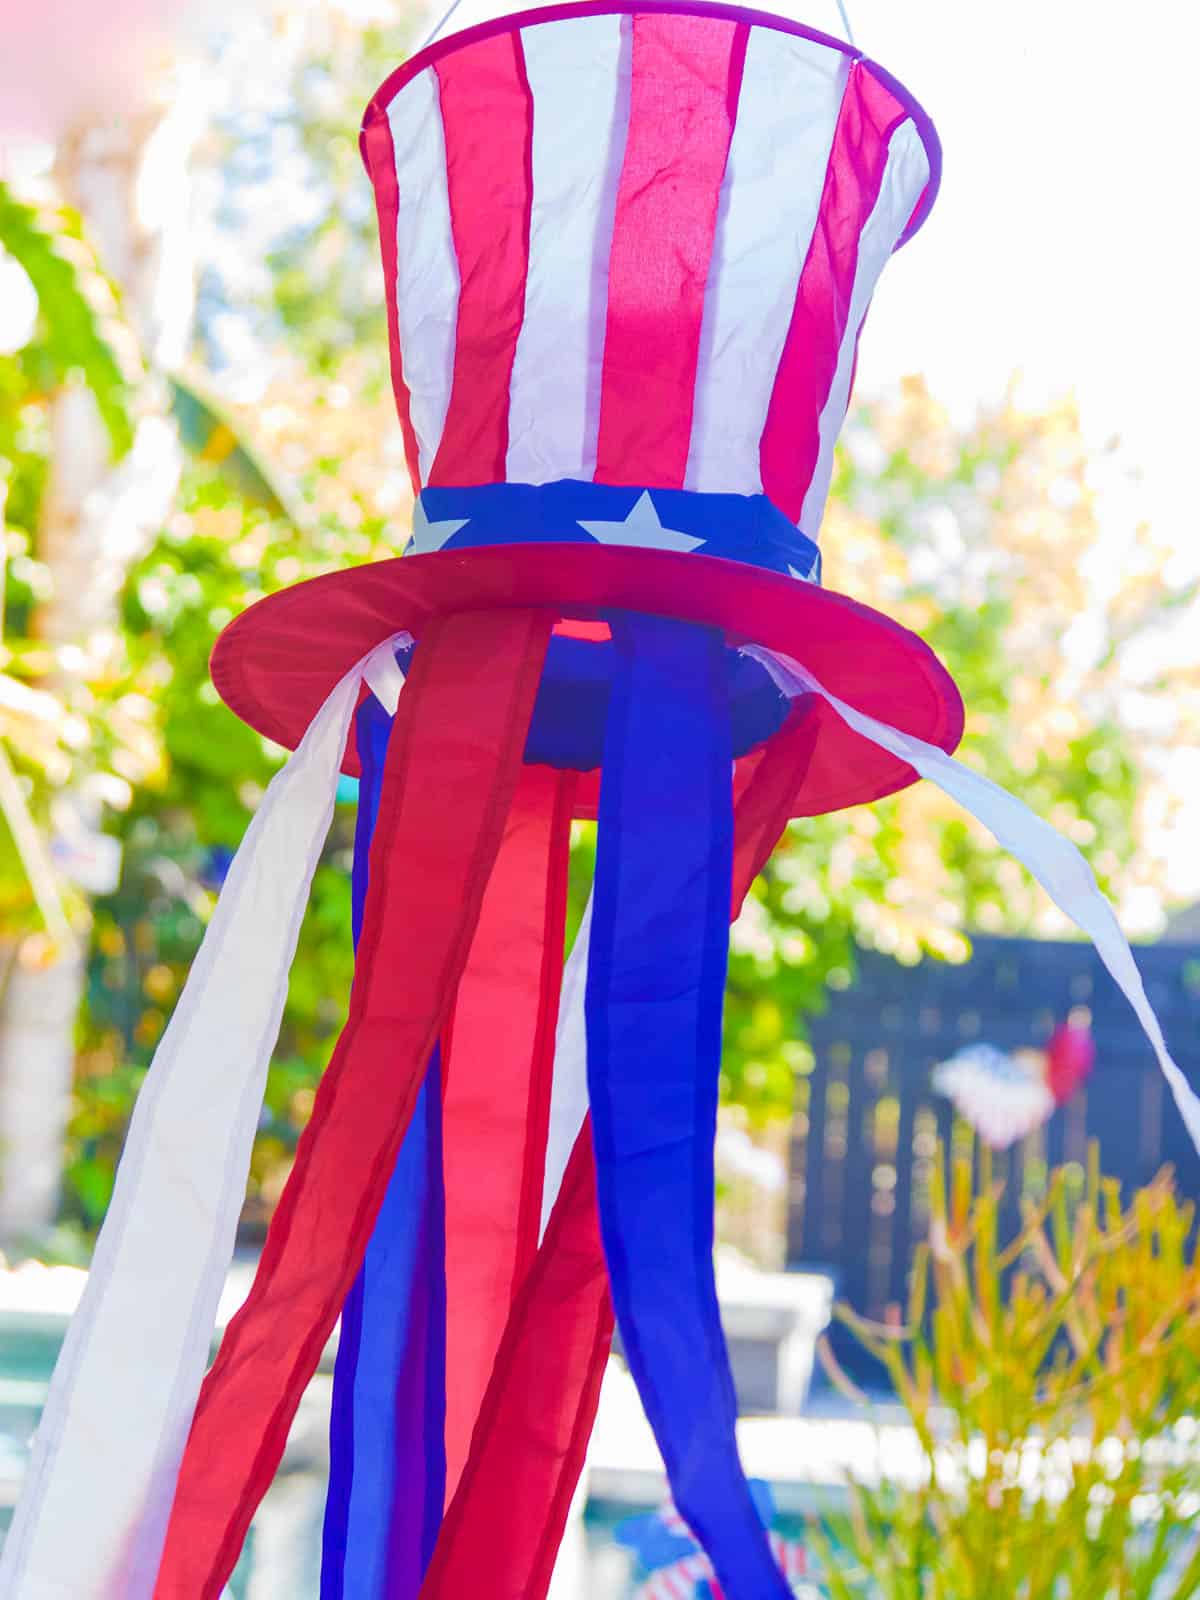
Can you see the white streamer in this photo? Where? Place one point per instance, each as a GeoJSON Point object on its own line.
{"type": "Point", "coordinates": [1054, 861]}
{"type": "Point", "coordinates": [92, 1517]}
{"type": "Point", "coordinates": [568, 1086]}
{"type": "Point", "coordinates": [382, 675]}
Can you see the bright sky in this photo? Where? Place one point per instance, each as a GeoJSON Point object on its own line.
{"type": "Point", "coordinates": [1063, 246]}
{"type": "Point", "coordinates": [1064, 240]}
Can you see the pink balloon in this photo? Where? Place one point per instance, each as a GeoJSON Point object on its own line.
{"type": "Point", "coordinates": [1070, 1056]}
{"type": "Point", "coordinates": [64, 60]}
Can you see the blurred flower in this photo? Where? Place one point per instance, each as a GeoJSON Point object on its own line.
{"type": "Point", "coordinates": [1006, 1096]}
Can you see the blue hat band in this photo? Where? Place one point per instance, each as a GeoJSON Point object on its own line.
{"type": "Point", "coordinates": [734, 527]}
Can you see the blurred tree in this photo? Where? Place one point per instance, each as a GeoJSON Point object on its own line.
{"type": "Point", "coordinates": [70, 383]}
{"type": "Point", "coordinates": [96, 400]}
{"type": "Point", "coordinates": [96, 469]}
{"type": "Point", "coordinates": [218, 554]}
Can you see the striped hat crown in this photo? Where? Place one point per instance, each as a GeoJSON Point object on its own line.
{"type": "Point", "coordinates": [635, 247]}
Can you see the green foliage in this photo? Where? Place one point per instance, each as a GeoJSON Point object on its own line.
{"type": "Point", "coordinates": [319, 270]}
{"type": "Point", "coordinates": [77, 324]}
{"type": "Point", "coordinates": [207, 431]}
{"type": "Point", "coordinates": [78, 337]}
{"type": "Point", "coordinates": [1053, 1385]}
{"type": "Point", "coordinates": [263, 506]}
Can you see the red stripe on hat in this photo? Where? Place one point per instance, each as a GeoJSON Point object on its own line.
{"type": "Point", "coordinates": [686, 77]}
{"type": "Point", "coordinates": [508, 1516]}
{"type": "Point", "coordinates": [379, 154]}
{"type": "Point", "coordinates": [791, 440]}
{"type": "Point", "coordinates": [487, 112]}
{"type": "Point", "coordinates": [497, 1072]}
{"type": "Point", "coordinates": [441, 820]}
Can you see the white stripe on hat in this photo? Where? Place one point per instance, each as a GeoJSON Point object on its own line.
{"type": "Point", "coordinates": [426, 266]}
{"type": "Point", "coordinates": [1053, 860]}
{"type": "Point", "coordinates": [93, 1512]}
{"type": "Point", "coordinates": [904, 178]}
{"type": "Point", "coordinates": [579, 79]}
{"type": "Point", "coordinates": [787, 114]}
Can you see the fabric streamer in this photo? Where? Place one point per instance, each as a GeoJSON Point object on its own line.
{"type": "Point", "coordinates": [531, 1437]}
{"type": "Point", "coordinates": [568, 1092]}
{"type": "Point", "coordinates": [1046, 854]}
{"type": "Point", "coordinates": [504, 1013]}
{"type": "Point", "coordinates": [500, 1058]}
{"type": "Point", "coordinates": [387, 1454]}
{"type": "Point", "coordinates": [434, 845]}
{"type": "Point", "coordinates": [656, 979]}
{"type": "Point", "coordinates": [133, 1360]}
{"type": "Point", "coordinates": [496, 1086]}
{"type": "Point", "coordinates": [387, 1451]}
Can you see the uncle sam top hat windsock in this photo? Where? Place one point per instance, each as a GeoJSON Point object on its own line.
{"type": "Point", "coordinates": [628, 251]}
{"type": "Point", "coordinates": [628, 255]}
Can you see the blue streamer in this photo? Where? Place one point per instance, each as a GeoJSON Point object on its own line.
{"type": "Point", "coordinates": [387, 1432]}
{"type": "Point", "coordinates": [657, 960]}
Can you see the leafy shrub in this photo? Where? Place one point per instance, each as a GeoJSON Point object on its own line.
{"type": "Point", "coordinates": [1053, 1384]}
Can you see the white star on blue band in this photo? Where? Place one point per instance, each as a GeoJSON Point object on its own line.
{"type": "Point", "coordinates": [429, 536]}
{"type": "Point", "coordinates": [641, 529]}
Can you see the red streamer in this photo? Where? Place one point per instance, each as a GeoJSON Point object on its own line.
{"type": "Point", "coordinates": [452, 768]}
{"type": "Point", "coordinates": [497, 1069]}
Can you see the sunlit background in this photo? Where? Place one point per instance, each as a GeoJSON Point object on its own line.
{"type": "Point", "coordinates": [195, 410]}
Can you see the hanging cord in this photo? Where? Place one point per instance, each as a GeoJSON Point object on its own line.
{"type": "Point", "coordinates": [433, 33]}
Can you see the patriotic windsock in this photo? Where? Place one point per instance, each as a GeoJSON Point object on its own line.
{"type": "Point", "coordinates": [628, 250]}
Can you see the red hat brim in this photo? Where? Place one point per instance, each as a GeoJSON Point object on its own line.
{"type": "Point", "coordinates": [275, 665]}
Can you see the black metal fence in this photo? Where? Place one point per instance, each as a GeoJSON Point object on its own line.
{"type": "Point", "coordinates": [868, 1123]}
